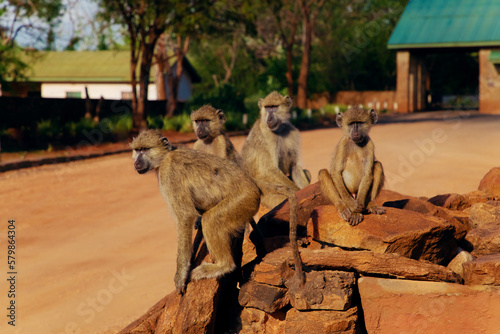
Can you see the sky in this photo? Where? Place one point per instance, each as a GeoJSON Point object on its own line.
{"type": "Point", "coordinates": [78, 20]}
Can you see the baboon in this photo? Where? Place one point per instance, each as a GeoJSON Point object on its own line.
{"type": "Point", "coordinates": [207, 124]}
{"type": "Point", "coordinates": [354, 170]}
{"type": "Point", "coordinates": [197, 184]}
{"type": "Point", "coordinates": [271, 153]}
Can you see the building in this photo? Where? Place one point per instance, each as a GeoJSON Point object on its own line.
{"type": "Point", "coordinates": [452, 25]}
{"type": "Point", "coordinates": [106, 74]}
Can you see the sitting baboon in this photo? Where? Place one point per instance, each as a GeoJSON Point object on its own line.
{"type": "Point", "coordinates": [207, 124]}
{"type": "Point", "coordinates": [354, 170]}
{"type": "Point", "coordinates": [197, 184]}
{"type": "Point", "coordinates": [271, 153]}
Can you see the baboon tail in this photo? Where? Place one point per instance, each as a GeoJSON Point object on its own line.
{"type": "Point", "coordinates": [292, 199]}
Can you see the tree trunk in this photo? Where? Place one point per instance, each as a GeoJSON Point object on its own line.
{"type": "Point", "coordinates": [304, 65]}
{"type": "Point", "coordinates": [289, 70]}
{"type": "Point", "coordinates": [173, 80]}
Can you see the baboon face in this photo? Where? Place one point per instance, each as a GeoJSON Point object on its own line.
{"type": "Point", "coordinates": [356, 122]}
{"type": "Point", "coordinates": [275, 110]}
{"type": "Point", "coordinates": [148, 150]}
{"type": "Point", "coordinates": [207, 122]}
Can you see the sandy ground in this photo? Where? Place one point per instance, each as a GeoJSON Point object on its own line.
{"type": "Point", "coordinates": [96, 245]}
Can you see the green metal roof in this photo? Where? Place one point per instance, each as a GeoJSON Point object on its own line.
{"type": "Point", "coordinates": [495, 56]}
{"type": "Point", "coordinates": [447, 23]}
{"type": "Point", "coordinates": [81, 66]}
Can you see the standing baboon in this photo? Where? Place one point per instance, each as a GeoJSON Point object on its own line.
{"type": "Point", "coordinates": [207, 124]}
{"type": "Point", "coordinates": [271, 153]}
{"type": "Point", "coordinates": [354, 170]}
{"type": "Point", "coordinates": [197, 184]}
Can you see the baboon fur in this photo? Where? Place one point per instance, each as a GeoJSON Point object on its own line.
{"type": "Point", "coordinates": [271, 153]}
{"type": "Point", "coordinates": [354, 171]}
{"type": "Point", "coordinates": [195, 184]}
{"type": "Point", "coordinates": [207, 124]}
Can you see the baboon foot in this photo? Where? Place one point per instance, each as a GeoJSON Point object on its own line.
{"type": "Point", "coordinates": [180, 280]}
{"type": "Point", "coordinates": [211, 270]}
{"type": "Point", "coordinates": [345, 214]}
{"type": "Point", "coordinates": [372, 208]}
{"type": "Point", "coordinates": [356, 218]}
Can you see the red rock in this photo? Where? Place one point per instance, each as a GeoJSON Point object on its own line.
{"type": "Point", "coordinates": [404, 232]}
{"type": "Point", "coordinates": [275, 222]}
{"type": "Point", "coordinates": [484, 270]}
{"type": "Point", "coordinates": [370, 263]}
{"type": "Point", "coordinates": [325, 290]}
{"type": "Point", "coordinates": [456, 265]}
{"type": "Point", "coordinates": [491, 182]}
{"type": "Point", "coordinates": [484, 213]}
{"type": "Point", "coordinates": [263, 297]}
{"type": "Point", "coordinates": [396, 200]}
{"type": "Point", "coordinates": [399, 306]}
{"type": "Point", "coordinates": [255, 321]}
{"type": "Point", "coordinates": [322, 321]}
{"type": "Point", "coordinates": [485, 240]}
{"type": "Point", "coordinates": [274, 269]}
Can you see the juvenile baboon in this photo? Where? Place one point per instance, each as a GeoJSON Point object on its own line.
{"type": "Point", "coordinates": [271, 153]}
{"type": "Point", "coordinates": [197, 184]}
{"type": "Point", "coordinates": [207, 124]}
{"type": "Point", "coordinates": [354, 170]}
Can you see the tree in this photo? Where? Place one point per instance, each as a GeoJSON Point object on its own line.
{"type": "Point", "coordinates": [287, 14]}
{"type": "Point", "coordinates": [309, 11]}
{"type": "Point", "coordinates": [31, 19]}
{"type": "Point", "coordinates": [145, 22]}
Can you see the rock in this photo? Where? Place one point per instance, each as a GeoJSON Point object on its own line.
{"type": "Point", "coordinates": [396, 200]}
{"type": "Point", "coordinates": [274, 269]}
{"type": "Point", "coordinates": [370, 263]}
{"type": "Point", "coordinates": [147, 323]}
{"type": "Point", "coordinates": [264, 297]}
{"type": "Point", "coordinates": [461, 202]}
{"type": "Point", "coordinates": [325, 290]}
{"type": "Point", "coordinates": [399, 306]}
{"type": "Point", "coordinates": [407, 233]}
{"type": "Point", "coordinates": [255, 321]}
{"type": "Point", "coordinates": [456, 265]}
{"type": "Point", "coordinates": [322, 321]}
{"type": "Point", "coordinates": [485, 240]}
{"type": "Point", "coordinates": [484, 213]}
{"type": "Point", "coordinates": [275, 222]}
{"type": "Point", "coordinates": [491, 182]}
{"type": "Point", "coordinates": [484, 270]}
{"type": "Point", "coordinates": [192, 313]}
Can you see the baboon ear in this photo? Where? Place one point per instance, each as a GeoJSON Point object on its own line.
{"type": "Point", "coordinates": [373, 116]}
{"type": "Point", "coordinates": [338, 119]}
{"type": "Point", "coordinates": [288, 102]}
{"type": "Point", "coordinates": [166, 143]}
{"type": "Point", "coordinates": [222, 117]}
{"type": "Point", "coordinates": [260, 103]}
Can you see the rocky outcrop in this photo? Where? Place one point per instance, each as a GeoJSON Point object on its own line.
{"type": "Point", "coordinates": [398, 272]}
{"type": "Point", "coordinates": [407, 233]}
{"type": "Point", "coordinates": [485, 270]}
{"type": "Point", "coordinates": [399, 306]}
{"type": "Point", "coordinates": [491, 182]}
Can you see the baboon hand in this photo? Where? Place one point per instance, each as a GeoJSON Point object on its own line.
{"type": "Point", "coordinates": [355, 218]}
{"type": "Point", "coordinates": [372, 208]}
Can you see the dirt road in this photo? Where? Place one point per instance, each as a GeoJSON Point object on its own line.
{"type": "Point", "coordinates": [96, 245]}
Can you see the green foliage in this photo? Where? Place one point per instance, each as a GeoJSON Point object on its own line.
{"type": "Point", "coordinates": [181, 123]}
